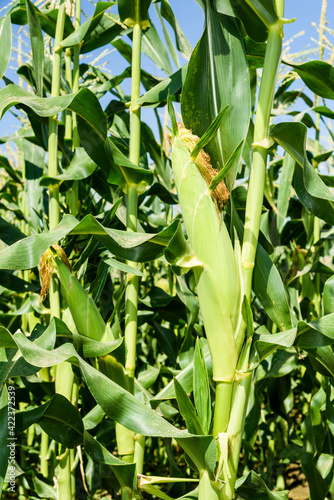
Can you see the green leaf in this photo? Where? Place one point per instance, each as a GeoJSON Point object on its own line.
{"type": "Point", "coordinates": [37, 46]}
{"type": "Point", "coordinates": [318, 76]}
{"type": "Point", "coordinates": [223, 81]}
{"type": "Point", "coordinates": [265, 10]}
{"type": "Point", "coordinates": [313, 193]}
{"type": "Point", "coordinates": [314, 337]}
{"type": "Point", "coordinates": [318, 488]}
{"type": "Point", "coordinates": [172, 84]}
{"type": "Point", "coordinates": [133, 12]}
{"type": "Point", "coordinates": [117, 403]}
{"type": "Point", "coordinates": [166, 338]}
{"type": "Point", "coordinates": [186, 352]}
{"type": "Point", "coordinates": [178, 251]}
{"type": "Point", "coordinates": [328, 296]}
{"type": "Point", "coordinates": [97, 286]}
{"type": "Point", "coordinates": [11, 282]}
{"type": "Point", "coordinates": [123, 267]}
{"type": "Point", "coordinates": [11, 364]}
{"type": "Point", "coordinates": [58, 418]}
{"type": "Point", "coordinates": [4, 163]}
{"type": "Point", "coordinates": [107, 31]}
{"type": "Point", "coordinates": [26, 252]}
{"type": "Point", "coordinates": [181, 41]}
{"type": "Point", "coordinates": [80, 168]}
{"type": "Point", "coordinates": [34, 160]}
{"type": "Point", "coordinates": [324, 111]}
{"type": "Point", "coordinates": [270, 290]}
{"type": "Point", "coordinates": [4, 435]}
{"type": "Point", "coordinates": [153, 47]}
{"type": "Point", "coordinates": [185, 377]}
{"type": "Point", "coordinates": [254, 27]}
{"type": "Point", "coordinates": [284, 190]}
{"type": "Point", "coordinates": [169, 43]}
{"type": "Point", "coordinates": [95, 147]}
{"type": "Point", "coordinates": [47, 20]}
{"type": "Point", "coordinates": [29, 416]}
{"type": "Point", "coordinates": [43, 489]}
{"type": "Point", "coordinates": [93, 417]}
{"type": "Point", "coordinates": [283, 134]}
{"type": "Point", "coordinates": [187, 410]}
{"type": "Point", "coordinates": [201, 388]}
{"type": "Point", "coordinates": [139, 247]}
{"type": "Point", "coordinates": [253, 486]}
{"type": "Point", "coordinates": [88, 26]}
{"type": "Point", "coordinates": [154, 490]}
{"type": "Point", "coordinates": [283, 362]}
{"type": "Point", "coordinates": [5, 43]}
{"type": "Point", "coordinates": [85, 314]}
{"type": "Point", "coordinates": [317, 333]}
{"type": "Point", "coordinates": [188, 298]}
{"type": "Point", "coordinates": [132, 174]}
{"type": "Point", "coordinates": [267, 343]}
{"type": "Point", "coordinates": [103, 151]}
{"type": "Point", "coordinates": [311, 190]}
{"type": "Point", "coordinates": [93, 348]}
{"type": "Point", "coordinates": [39, 356]}
{"type": "Point", "coordinates": [322, 359]}
{"type": "Point", "coordinates": [62, 422]}
{"type": "Point", "coordinates": [124, 408]}
{"type": "Point", "coordinates": [255, 55]}
{"type": "Point", "coordinates": [84, 103]}
{"type": "Point", "coordinates": [171, 113]}
{"type": "Point", "coordinates": [201, 3]}
{"type": "Point", "coordinates": [220, 176]}
{"type": "Point", "coordinates": [9, 234]}
{"type": "Point", "coordinates": [322, 157]}
{"type": "Point", "coordinates": [125, 473]}
{"type": "Point", "coordinates": [209, 134]}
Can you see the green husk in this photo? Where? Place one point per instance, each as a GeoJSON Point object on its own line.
{"type": "Point", "coordinates": [217, 276]}
{"type": "Point", "coordinates": [86, 316]}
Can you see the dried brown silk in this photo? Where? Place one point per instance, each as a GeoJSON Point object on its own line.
{"type": "Point", "coordinates": [47, 268]}
{"type": "Point", "coordinates": [203, 162]}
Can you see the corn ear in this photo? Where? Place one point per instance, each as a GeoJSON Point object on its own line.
{"type": "Point", "coordinates": [217, 278]}
{"type": "Point", "coordinates": [86, 316]}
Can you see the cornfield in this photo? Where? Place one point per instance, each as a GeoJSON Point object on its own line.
{"type": "Point", "coordinates": [166, 257]}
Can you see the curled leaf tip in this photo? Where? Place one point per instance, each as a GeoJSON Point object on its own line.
{"type": "Point", "coordinates": [203, 161]}
{"type": "Point", "coordinates": [48, 268]}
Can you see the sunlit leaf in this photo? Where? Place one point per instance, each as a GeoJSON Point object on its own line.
{"type": "Point", "coordinates": [223, 81]}
{"type": "Point", "coordinates": [318, 76]}
{"type": "Point", "coordinates": [6, 43]}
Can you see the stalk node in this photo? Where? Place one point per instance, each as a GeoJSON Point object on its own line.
{"type": "Point", "coordinates": [266, 143]}
{"type": "Point", "coordinates": [248, 265]}
{"type": "Point", "coordinates": [277, 28]}
{"type": "Point", "coordinates": [135, 108]}
{"type": "Point", "coordinates": [241, 374]}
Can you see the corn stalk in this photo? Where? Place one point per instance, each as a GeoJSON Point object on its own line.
{"type": "Point", "coordinates": [63, 372]}
{"type": "Point", "coordinates": [134, 16]}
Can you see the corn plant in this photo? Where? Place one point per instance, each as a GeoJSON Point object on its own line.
{"type": "Point", "coordinates": [166, 287]}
